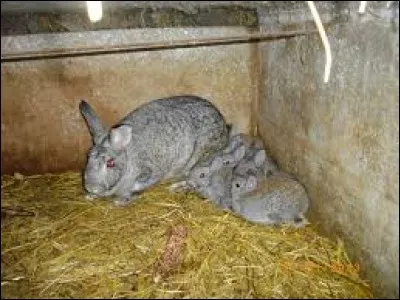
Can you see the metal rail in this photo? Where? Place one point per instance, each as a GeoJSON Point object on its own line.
{"type": "Point", "coordinates": [188, 43]}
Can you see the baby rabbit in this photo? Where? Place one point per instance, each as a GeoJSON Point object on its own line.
{"type": "Point", "coordinates": [214, 181]}
{"type": "Point", "coordinates": [231, 159]}
{"type": "Point", "coordinates": [251, 143]}
{"type": "Point", "coordinates": [257, 164]}
{"type": "Point", "coordinates": [218, 189]}
{"type": "Point", "coordinates": [277, 199]}
{"type": "Point", "coordinates": [199, 176]}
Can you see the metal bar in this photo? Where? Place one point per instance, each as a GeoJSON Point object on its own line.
{"type": "Point", "coordinates": [87, 51]}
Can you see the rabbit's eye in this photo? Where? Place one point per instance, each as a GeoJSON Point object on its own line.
{"type": "Point", "coordinates": [110, 163]}
{"type": "Point", "coordinates": [237, 185]}
{"type": "Point", "coordinates": [202, 175]}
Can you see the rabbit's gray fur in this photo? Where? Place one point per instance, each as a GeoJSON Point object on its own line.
{"type": "Point", "coordinates": [200, 174]}
{"type": "Point", "coordinates": [218, 188]}
{"type": "Point", "coordinates": [238, 139]}
{"type": "Point", "coordinates": [202, 167]}
{"type": "Point", "coordinates": [162, 139]}
{"type": "Point", "coordinates": [213, 180]}
{"type": "Point", "coordinates": [275, 200]}
{"type": "Point", "coordinates": [231, 159]}
{"type": "Point", "coordinates": [255, 160]}
{"type": "Point", "coordinates": [256, 163]}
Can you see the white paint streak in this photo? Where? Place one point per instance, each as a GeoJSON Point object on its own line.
{"type": "Point", "coordinates": [363, 5]}
{"type": "Point", "coordinates": [95, 10]}
{"type": "Point", "coordinates": [324, 38]}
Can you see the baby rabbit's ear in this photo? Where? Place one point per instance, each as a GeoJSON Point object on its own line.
{"type": "Point", "coordinates": [233, 130]}
{"type": "Point", "coordinates": [120, 136]}
{"type": "Point", "coordinates": [260, 158]}
{"type": "Point", "coordinates": [240, 152]}
{"type": "Point", "coordinates": [217, 163]}
{"type": "Point", "coordinates": [251, 182]}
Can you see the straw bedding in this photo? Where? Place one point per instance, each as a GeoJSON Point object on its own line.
{"type": "Point", "coordinates": [164, 245]}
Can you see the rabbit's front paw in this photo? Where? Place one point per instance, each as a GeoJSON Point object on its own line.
{"type": "Point", "coordinates": [181, 186]}
{"type": "Point", "coordinates": [125, 200]}
{"type": "Point", "coordinates": [91, 197]}
{"type": "Point", "coordinates": [300, 222]}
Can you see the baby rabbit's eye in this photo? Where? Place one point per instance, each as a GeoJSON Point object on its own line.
{"type": "Point", "coordinates": [110, 163]}
{"type": "Point", "coordinates": [202, 175]}
{"type": "Point", "coordinates": [237, 185]}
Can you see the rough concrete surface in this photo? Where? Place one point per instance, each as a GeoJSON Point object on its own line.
{"type": "Point", "coordinates": [187, 6]}
{"type": "Point", "coordinates": [341, 139]}
{"type": "Point", "coordinates": [33, 22]}
{"type": "Point", "coordinates": [31, 17]}
{"type": "Point", "coordinates": [41, 127]}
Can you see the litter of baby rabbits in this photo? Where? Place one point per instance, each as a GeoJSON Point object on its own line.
{"type": "Point", "coordinates": [56, 244]}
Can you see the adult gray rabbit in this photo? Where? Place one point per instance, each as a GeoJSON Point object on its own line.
{"type": "Point", "coordinates": [274, 200]}
{"type": "Point", "coordinates": [160, 140]}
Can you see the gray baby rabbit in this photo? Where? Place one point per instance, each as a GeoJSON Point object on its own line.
{"type": "Point", "coordinates": [238, 139]}
{"type": "Point", "coordinates": [255, 159]}
{"type": "Point", "coordinates": [257, 164]}
{"type": "Point", "coordinates": [162, 139]}
{"type": "Point", "coordinates": [200, 174]}
{"type": "Point", "coordinates": [274, 200]}
{"type": "Point", "coordinates": [218, 189]}
{"type": "Point", "coordinates": [198, 177]}
{"type": "Point", "coordinates": [231, 159]}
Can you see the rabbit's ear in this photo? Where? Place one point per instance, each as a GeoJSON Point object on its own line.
{"type": "Point", "coordinates": [217, 163]}
{"type": "Point", "coordinates": [233, 130]}
{"type": "Point", "coordinates": [251, 182]}
{"type": "Point", "coordinates": [260, 158]}
{"type": "Point", "coordinates": [120, 136]}
{"type": "Point", "coordinates": [239, 152]}
{"type": "Point", "coordinates": [258, 143]}
{"type": "Point", "coordinates": [95, 126]}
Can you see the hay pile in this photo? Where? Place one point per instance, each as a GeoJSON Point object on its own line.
{"type": "Point", "coordinates": [57, 244]}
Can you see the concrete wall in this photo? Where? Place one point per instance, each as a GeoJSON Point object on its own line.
{"type": "Point", "coordinates": [41, 127]}
{"type": "Point", "coordinates": [340, 139]}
